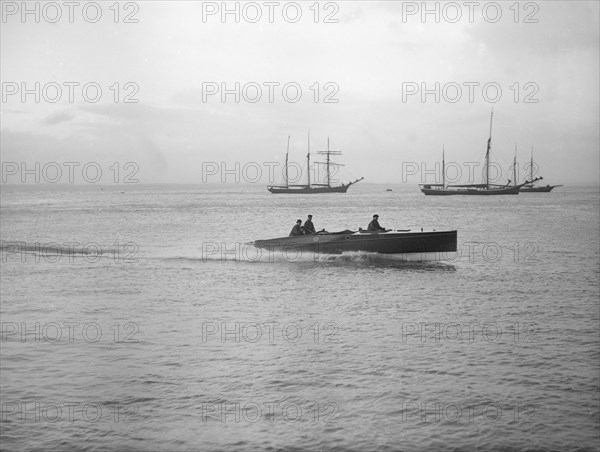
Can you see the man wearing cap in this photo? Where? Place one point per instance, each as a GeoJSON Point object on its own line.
{"type": "Point", "coordinates": [309, 227]}
{"type": "Point", "coordinates": [297, 229]}
{"type": "Point", "coordinates": [374, 224]}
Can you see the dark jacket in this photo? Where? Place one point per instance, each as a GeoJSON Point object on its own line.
{"type": "Point", "coordinates": [374, 226]}
{"type": "Point", "coordinates": [296, 230]}
{"type": "Point", "coordinates": [309, 227]}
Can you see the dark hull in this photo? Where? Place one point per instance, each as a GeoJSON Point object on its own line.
{"type": "Point", "coordinates": [385, 243]}
{"type": "Point", "coordinates": [312, 189]}
{"type": "Point", "coordinates": [470, 191]}
{"type": "Point", "coordinates": [308, 190]}
{"type": "Point", "coordinates": [545, 189]}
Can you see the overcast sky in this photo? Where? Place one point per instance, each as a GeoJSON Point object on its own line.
{"type": "Point", "coordinates": [373, 58]}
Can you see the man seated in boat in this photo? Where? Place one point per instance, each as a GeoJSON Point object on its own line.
{"type": "Point", "coordinates": [309, 227]}
{"type": "Point", "coordinates": [297, 229]}
{"type": "Point", "coordinates": [374, 225]}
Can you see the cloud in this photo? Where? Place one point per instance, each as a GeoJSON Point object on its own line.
{"type": "Point", "coordinates": [58, 117]}
{"type": "Point", "coordinates": [547, 30]}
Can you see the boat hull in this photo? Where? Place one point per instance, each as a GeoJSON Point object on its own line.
{"type": "Point", "coordinates": [545, 189]}
{"type": "Point", "coordinates": [470, 191]}
{"type": "Point", "coordinates": [308, 190]}
{"type": "Point", "coordinates": [311, 189]}
{"type": "Point", "coordinates": [348, 241]}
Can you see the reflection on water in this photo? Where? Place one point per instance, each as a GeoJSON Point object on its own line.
{"type": "Point", "coordinates": [417, 262]}
{"type": "Point", "coordinates": [358, 260]}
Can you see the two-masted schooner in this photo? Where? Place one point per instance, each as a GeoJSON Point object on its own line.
{"type": "Point", "coordinates": [312, 188]}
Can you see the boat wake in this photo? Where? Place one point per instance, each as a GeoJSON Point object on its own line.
{"type": "Point", "coordinates": [357, 256]}
{"type": "Point", "coordinates": [52, 251]}
{"type": "Point", "coordinates": [419, 261]}
{"type": "Point", "coordinates": [253, 255]}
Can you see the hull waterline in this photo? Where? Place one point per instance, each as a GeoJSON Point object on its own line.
{"type": "Point", "coordinates": [349, 241]}
{"type": "Point", "coordinates": [312, 189]}
{"type": "Point", "coordinates": [545, 189]}
{"type": "Point", "coordinates": [308, 190]}
{"type": "Point", "coordinates": [473, 190]}
{"type": "Point", "coordinates": [469, 191]}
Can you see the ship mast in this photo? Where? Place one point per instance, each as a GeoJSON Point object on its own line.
{"type": "Point", "coordinates": [308, 160]}
{"type": "Point", "coordinates": [443, 169]}
{"type": "Point", "coordinates": [286, 163]}
{"type": "Point", "coordinates": [531, 167]}
{"type": "Point", "coordinates": [515, 166]}
{"type": "Point", "coordinates": [487, 154]}
{"type": "Point", "coordinates": [328, 163]}
{"type": "Point", "coordinates": [328, 172]}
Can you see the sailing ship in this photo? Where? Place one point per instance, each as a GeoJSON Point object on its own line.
{"type": "Point", "coordinates": [484, 188]}
{"type": "Point", "coordinates": [313, 188]}
{"type": "Point", "coordinates": [532, 187]}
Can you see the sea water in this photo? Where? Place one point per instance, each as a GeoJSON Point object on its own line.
{"type": "Point", "coordinates": [140, 318]}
